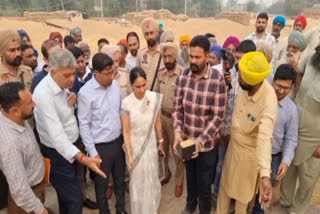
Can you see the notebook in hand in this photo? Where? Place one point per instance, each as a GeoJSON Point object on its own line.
{"type": "Point", "coordinates": [185, 149]}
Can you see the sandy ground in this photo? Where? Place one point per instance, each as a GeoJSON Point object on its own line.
{"type": "Point", "coordinates": [94, 30]}
{"type": "Point", "coordinates": [169, 203]}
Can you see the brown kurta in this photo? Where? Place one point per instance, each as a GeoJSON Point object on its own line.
{"type": "Point", "coordinates": [249, 151]}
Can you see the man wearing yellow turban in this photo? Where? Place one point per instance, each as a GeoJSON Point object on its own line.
{"type": "Point", "coordinates": [184, 43]}
{"type": "Point", "coordinates": [248, 159]}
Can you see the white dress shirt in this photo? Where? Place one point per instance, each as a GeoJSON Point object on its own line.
{"type": "Point", "coordinates": [99, 114]}
{"type": "Point", "coordinates": [131, 62]}
{"type": "Point", "coordinates": [55, 120]}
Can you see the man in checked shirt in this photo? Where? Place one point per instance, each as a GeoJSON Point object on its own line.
{"type": "Point", "coordinates": [199, 108]}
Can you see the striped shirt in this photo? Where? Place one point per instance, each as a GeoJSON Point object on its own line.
{"type": "Point", "coordinates": [199, 106]}
{"type": "Point", "coordinates": [21, 162]}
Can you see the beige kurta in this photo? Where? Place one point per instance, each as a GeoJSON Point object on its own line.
{"type": "Point", "coordinates": [308, 103]}
{"type": "Point", "coordinates": [123, 82]}
{"type": "Point", "coordinates": [249, 151]}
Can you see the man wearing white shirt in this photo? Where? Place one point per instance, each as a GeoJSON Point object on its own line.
{"type": "Point", "coordinates": [99, 107]}
{"type": "Point", "coordinates": [133, 47]}
{"type": "Point", "coordinates": [58, 131]}
{"type": "Point", "coordinates": [260, 34]}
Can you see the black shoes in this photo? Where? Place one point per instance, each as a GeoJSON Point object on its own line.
{"type": "Point", "coordinates": [90, 204]}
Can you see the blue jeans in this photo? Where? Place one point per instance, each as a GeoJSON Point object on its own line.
{"type": "Point", "coordinates": [222, 148]}
{"type": "Point", "coordinates": [275, 163]}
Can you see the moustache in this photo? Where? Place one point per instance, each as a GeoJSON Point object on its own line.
{"type": "Point", "coordinates": [16, 61]}
{"type": "Point", "coordinates": [151, 43]}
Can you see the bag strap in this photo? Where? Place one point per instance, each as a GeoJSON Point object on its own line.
{"type": "Point", "coordinates": [156, 74]}
{"type": "Point", "coordinates": [147, 140]}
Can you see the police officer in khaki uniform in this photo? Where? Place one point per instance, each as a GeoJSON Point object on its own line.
{"type": "Point", "coordinates": [10, 66]}
{"type": "Point", "coordinates": [167, 79]}
{"type": "Point", "coordinates": [149, 58]}
{"type": "Point", "coordinates": [11, 70]}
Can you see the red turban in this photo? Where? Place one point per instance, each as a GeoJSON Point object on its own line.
{"type": "Point", "coordinates": [55, 35]}
{"type": "Point", "coordinates": [301, 19]}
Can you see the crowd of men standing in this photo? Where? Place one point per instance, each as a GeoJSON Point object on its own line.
{"type": "Point", "coordinates": [251, 107]}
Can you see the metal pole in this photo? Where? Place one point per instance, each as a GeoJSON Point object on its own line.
{"type": "Point", "coordinates": [185, 7]}
{"type": "Point", "coordinates": [62, 5]}
{"type": "Point", "coordinates": [101, 5]}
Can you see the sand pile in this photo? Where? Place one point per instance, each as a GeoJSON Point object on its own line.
{"type": "Point", "coordinates": [239, 17]}
{"type": "Point", "coordinates": [96, 29]}
{"type": "Point", "coordinates": [53, 15]}
{"type": "Point", "coordinates": [137, 17]}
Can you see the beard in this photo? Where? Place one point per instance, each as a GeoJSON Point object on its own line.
{"type": "Point", "coordinates": [34, 65]}
{"type": "Point", "coordinates": [260, 29]}
{"type": "Point", "coordinates": [315, 59]}
{"type": "Point", "coordinates": [151, 43]}
{"type": "Point", "coordinates": [236, 67]}
{"type": "Point", "coordinates": [294, 56]}
{"type": "Point", "coordinates": [27, 116]}
{"type": "Point", "coordinates": [185, 55]}
{"type": "Point", "coordinates": [170, 65]}
{"type": "Point", "coordinates": [134, 52]}
{"type": "Point", "coordinates": [196, 69]}
{"type": "Point", "coordinates": [15, 62]}
{"type": "Point", "coordinates": [276, 34]}
{"type": "Point", "coordinates": [246, 87]}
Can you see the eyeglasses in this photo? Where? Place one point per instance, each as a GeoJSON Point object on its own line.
{"type": "Point", "coordinates": [113, 71]}
{"type": "Point", "coordinates": [280, 87]}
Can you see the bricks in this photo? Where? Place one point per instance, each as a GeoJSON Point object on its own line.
{"type": "Point", "coordinates": [239, 17]}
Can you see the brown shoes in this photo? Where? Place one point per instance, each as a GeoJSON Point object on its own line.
{"type": "Point", "coordinates": [179, 190]}
{"type": "Point", "coordinates": [109, 192]}
{"type": "Point", "coordinates": [166, 180]}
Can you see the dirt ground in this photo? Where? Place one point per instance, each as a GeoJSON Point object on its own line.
{"type": "Point", "coordinates": [169, 203]}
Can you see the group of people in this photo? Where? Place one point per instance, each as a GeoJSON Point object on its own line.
{"type": "Point", "coordinates": [250, 107]}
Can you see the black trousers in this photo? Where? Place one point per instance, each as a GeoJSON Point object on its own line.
{"type": "Point", "coordinates": [200, 173]}
{"type": "Point", "coordinates": [4, 190]}
{"type": "Point", "coordinates": [63, 176]}
{"type": "Point", "coordinates": [113, 162]}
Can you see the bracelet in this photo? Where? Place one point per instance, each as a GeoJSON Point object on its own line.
{"type": "Point", "coordinates": [41, 211]}
{"type": "Point", "coordinates": [160, 140]}
{"type": "Point", "coordinates": [81, 158]}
